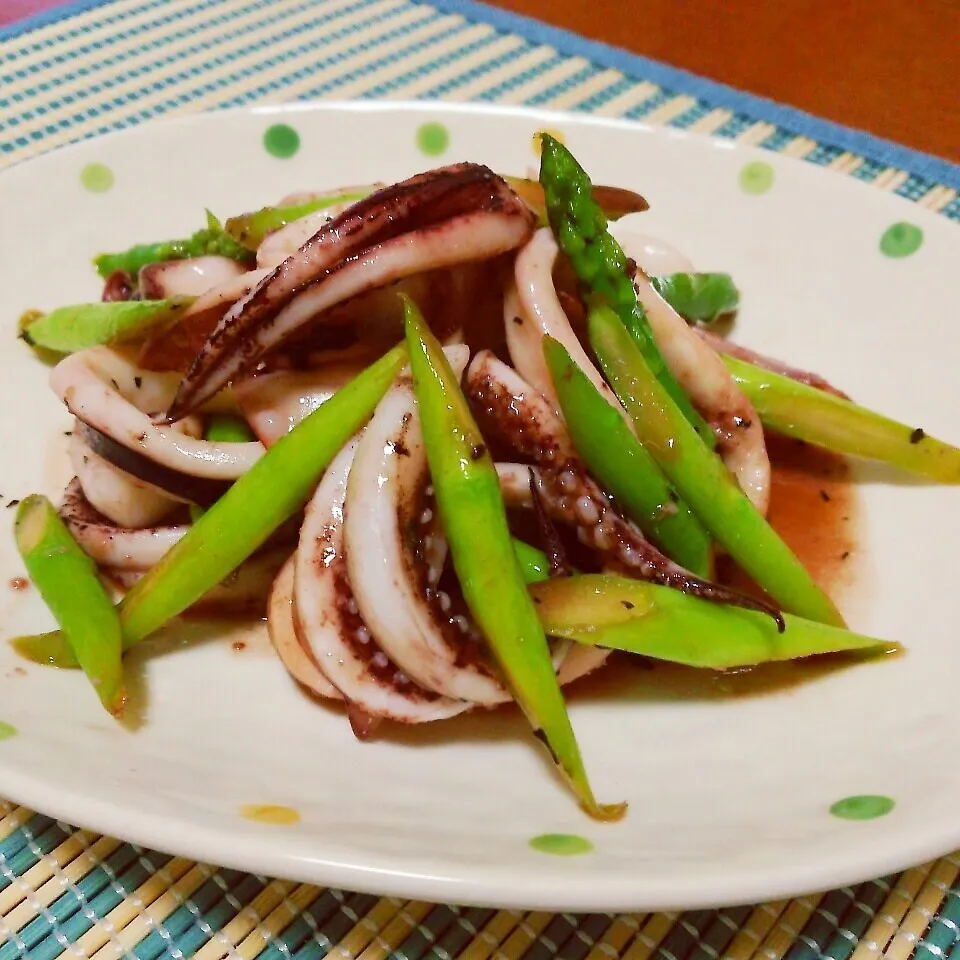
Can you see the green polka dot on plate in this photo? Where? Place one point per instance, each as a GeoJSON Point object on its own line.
{"type": "Point", "coordinates": [863, 807]}
{"type": "Point", "coordinates": [281, 141]}
{"type": "Point", "coordinates": [756, 177]}
{"type": "Point", "coordinates": [432, 138]}
{"type": "Point", "coordinates": [561, 844]}
{"type": "Point", "coordinates": [96, 177]}
{"type": "Point", "coordinates": [900, 240]}
{"type": "Point", "coordinates": [7, 730]}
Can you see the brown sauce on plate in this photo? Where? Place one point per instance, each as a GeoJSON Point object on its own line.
{"type": "Point", "coordinates": [815, 507]}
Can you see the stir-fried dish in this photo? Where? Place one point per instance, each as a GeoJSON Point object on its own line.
{"type": "Point", "coordinates": [457, 438]}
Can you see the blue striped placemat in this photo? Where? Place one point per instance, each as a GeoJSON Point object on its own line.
{"type": "Point", "coordinates": [93, 66]}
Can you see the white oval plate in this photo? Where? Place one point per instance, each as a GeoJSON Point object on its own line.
{"type": "Point", "coordinates": [729, 799]}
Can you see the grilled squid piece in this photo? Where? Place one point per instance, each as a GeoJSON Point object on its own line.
{"type": "Point", "coordinates": [274, 403]}
{"type": "Point", "coordinates": [191, 277]}
{"type": "Point", "coordinates": [413, 623]}
{"type": "Point", "coordinates": [174, 349]}
{"type": "Point", "coordinates": [723, 346]}
{"type": "Point", "coordinates": [110, 545]}
{"type": "Point", "coordinates": [653, 256]}
{"type": "Point", "coordinates": [121, 498]}
{"type": "Point", "coordinates": [704, 378]}
{"type": "Point", "coordinates": [282, 243]}
{"type": "Point", "coordinates": [437, 219]}
{"type": "Point", "coordinates": [83, 382]}
{"type": "Point", "coordinates": [532, 310]}
{"type": "Point", "coordinates": [333, 630]}
{"type": "Point", "coordinates": [286, 636]}
{"type": "Point", "coordinates": [526, 420]}
{"type": "Point", "coordinates": [245, 591]}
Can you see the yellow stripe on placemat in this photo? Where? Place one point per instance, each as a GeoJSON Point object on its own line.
{"type": "Point", "coordinates": [13, 821]}
{"type": "Point", "coordinates": [891, 913]}
{"type": "Point", "coordinates": [937, 198]}
{"type": "Point", "coordinates": [402, 925]}
{"type": "Point", "coordinates": [617, 936]}
{"type": "Point", "coordinates": [411, 42]}
{"type": "Point", "coordinates": [194, 61]}
{"type": "Point", "coordinates": [523, 936]}
{"type": "Point", "coordinates": [712, 121]}
{"type": "Point", "coordinates": [750, 936]}
{"type": "Point", "coordinates": [536, 86]}
{"type": "Point", "coordinates": [788, 926]}
{"type": "Point", "coordinates": [756, 133]}
{"type": "Point", "coordinates": [245, 922]}
{"type": "Point", "coordinates": [123, 942]}
{"type": "Point", "coordinates": [670, 110]}
{"type": "Point", "coordinates": [651, 935]}
{"type": "Point", "coordinates": [69, 862]}
{"type": "Point", "coordinates": [891, 179]}
{"type": "Point", "coordinates": [54, 73]}
{"type": "Point", "coordinates": [277, 921]}
{"type": "Point", "coordinates": [494, 932]}
{"type": "Point", "coordinates": [132, 906]}
{"type": "Point", "coordinates": [583, 91]}
{"type": "Point", "coordinates": [627, 100]}
{"type": "Point", "coordinates": [367, 927]}
{"type": "Point", "coordinates": [800, 147]}
{"type": "Point", "coordinates": [845, 163]}
{"type": "Point", "coordinates": [458, 65]}
{"type": "Point", "coordinates": [924, 908]}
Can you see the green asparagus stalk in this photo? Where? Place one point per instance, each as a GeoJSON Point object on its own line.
{"type": "Point", "coordinates": [701, 477]}
{"type": "Point", "coordinates": [475, 522]}
{"type": "Point", "coordinates": [659, 622]}
{"type": "Point", "coordinates": [226, 428]}
{"type": "Point", "coordinates": [77, 327]}
{"type": "Point", "coordinates": [600, 264]}
{"type": "Point", "coordinates": [534, 563]}
{"type": "Point", "coordinates": [243, 518]}
{"type": "Point", "coordinates": [222, 428]}
{"type": "Point", "coordinates": [698, 296]}
{"type": "Point", "coordinates": [799, 410]}
{"type": "Point", "coordinates": [212, 240]}
{"type": "Point", "coordinates": [251, 229]}
{"type": "Point", "coordinates": [622, 465]}
{"type": "Point", "coordinates": [67, 580]}
{"type": "Point", "coordinates": [47, 649]}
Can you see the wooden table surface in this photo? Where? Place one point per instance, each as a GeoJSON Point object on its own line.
{"type": "Point", "coordinates": [891, 67]}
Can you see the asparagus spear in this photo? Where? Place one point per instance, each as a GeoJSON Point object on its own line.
{"type": "Point", "coordinates": [600, 264]}
{"type": "Point", "coordinates": [534, 563]}
{"type": "Point", "coordinates": [212, 240]}
{"type": "Point", "coordinates": [250, 229]}
{"type": "Point", "coordinates": [619, 461]}
{"type": "Point", "coordinates": [67, 580]}
{"type": "Point", "coordinates": [639, 617]}
{"type": "Point", "coordinates": [474, 520]}
{"type": "Point", "coordinates": [222, 428]}
{"type": "Point", "coordinates": [73, 328]}
{"type": "Point", "coordinates": [701, 477]}
{"type": "Point", "coordinates": [799, 410]}
{"type": "Point", "coordinates": [243, 518]}
{"type": "Point", "coordinates": [698, 296]}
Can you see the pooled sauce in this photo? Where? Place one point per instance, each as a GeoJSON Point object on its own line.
{"type": "Point", "coordinates": [815, 508]}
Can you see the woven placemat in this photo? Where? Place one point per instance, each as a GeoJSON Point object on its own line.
{"type": "Point", "coordinates": [95, 66]}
